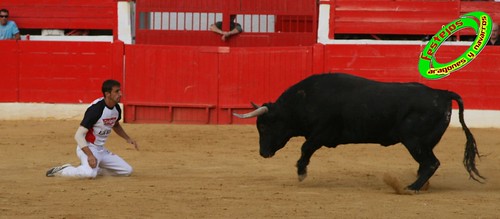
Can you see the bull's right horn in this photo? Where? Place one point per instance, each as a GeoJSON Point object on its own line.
{"type": "Point", "coordinates": [259, 111]}
{"type": "Point", "coordinates": [255, 106]}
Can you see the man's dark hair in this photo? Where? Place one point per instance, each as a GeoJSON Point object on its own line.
{"type": "Point", "coordinates": [4, 10]}
{"type": "Point", "coordinates": [107, 86]}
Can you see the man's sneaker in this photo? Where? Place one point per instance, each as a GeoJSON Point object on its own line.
{"type": "Point", "coordinates": [56, 170]}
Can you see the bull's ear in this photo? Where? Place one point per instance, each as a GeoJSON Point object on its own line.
{"type": "Point", "coordinates": [255, 106]}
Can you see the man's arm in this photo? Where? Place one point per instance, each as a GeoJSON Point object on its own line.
{"type": "Point", "coordinates": [236, 30]}
{"type": "Point", "coordinates": [121, 132]}
{"type": "Point", "coordinates": [232, 32]}
{"type": "Point", "coordinates": [15, 30]}
{"type": "Point", "coordinates": [215, 29]}
{"type": "Point", "coordinates": [80, 134]}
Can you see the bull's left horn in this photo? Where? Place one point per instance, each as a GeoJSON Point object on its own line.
{"type": "Point", "coordinates": [259, 111]}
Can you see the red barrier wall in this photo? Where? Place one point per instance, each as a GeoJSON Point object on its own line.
{"type": "Point", "coordinates": [294, 22]}
{"type": "Point", "coordinates": [402, 17]}
{"type": "Point", "coordinates": [57, 72]}
{"type": "Point", "coordinates": [206, 84]}
{"type": "Point", "coordinates": [9, 84]}
{"type": "Point", "coordinates": [166, 83]}
{"type": "Point", "coordinates": [489, 7]}
{"type": "Point", "coordinates": [258, 75]}
{"type": "Point", "coordinates": [169, 84]}
{"type": "Point", "coordinates": [392, 17]}
{"type": "Point", "coordinates": [57, 14]}
{"type": "Point", "coordinates": [478, 83]}
{"type": "Point", "coordinates": [182, 84]}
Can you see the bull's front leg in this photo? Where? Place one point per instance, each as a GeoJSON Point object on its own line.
{"type": "Point", "coordinates": [308, 149]}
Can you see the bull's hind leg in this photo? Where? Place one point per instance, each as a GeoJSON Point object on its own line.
{"type": "Point", "coordinates": [428, 164]}
{"type": "Point", "coordinates": [420, 149]}
{"type": "Point", "coordinates": [420, 142]}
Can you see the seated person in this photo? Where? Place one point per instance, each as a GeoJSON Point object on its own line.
{"type": "Point", "coordinates": [8, 29]}
{"type": "Point", "coordinates": [234, 27]}
{"type": "Point", "coordinates": [494, 35]}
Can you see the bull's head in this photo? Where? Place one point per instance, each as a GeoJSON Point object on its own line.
{"type": "Point", "coordinates": [273, 127]}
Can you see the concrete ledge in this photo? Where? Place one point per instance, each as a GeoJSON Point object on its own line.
{"type": "Point", "coordinates": [46, 111]}
{"type": "Point", "coordinates": [477, 118]}
{"type": "Point", "coordinates": [41, 111]}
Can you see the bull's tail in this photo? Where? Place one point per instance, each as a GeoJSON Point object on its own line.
{"type": "Point", "coordinates": [470, 146]}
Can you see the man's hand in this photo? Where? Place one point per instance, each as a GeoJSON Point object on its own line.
{"type": "Point", "coordinates": [119, 130]}
{"type": "Point", "coordinates": [92, 161]}
{"type": "Point", "coordinates": [90, 157]}
{"type": "Point", "coordinates": [132, 141]}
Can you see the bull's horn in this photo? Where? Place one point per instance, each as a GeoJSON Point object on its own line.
{"type": "Point", "coordinates": [255, 106]}
{"type": "Point", "coordinates": [259, 111]}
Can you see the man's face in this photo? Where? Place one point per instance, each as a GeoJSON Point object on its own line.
{"type": "Point", "coordinates": [494, 31]}
{"type": "Point", "coordinates": [3, 18]}
{"type": "Point", "coordinates": [115, 94]}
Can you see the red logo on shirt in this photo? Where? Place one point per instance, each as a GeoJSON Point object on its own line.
{"type": "Point", "coordinates": [109, 122]}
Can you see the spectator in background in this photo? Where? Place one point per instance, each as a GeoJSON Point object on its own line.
{"type": "Point", "coordinates": [494, 35]}
{"type": "Point", "coordinates": [8, 29]}
{"type": "Point", "coordinates": [234, 27]}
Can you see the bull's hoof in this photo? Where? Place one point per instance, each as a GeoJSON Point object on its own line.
{"type": "Point", "coordinates": [426, 186]}
{"type": "Point", "coordinates": [302, 177]}
{"type": "Point", "coordinates": [412, 189]}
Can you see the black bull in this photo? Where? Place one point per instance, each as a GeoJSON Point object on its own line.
{"type": "Point", "coordinates": [333, 109]}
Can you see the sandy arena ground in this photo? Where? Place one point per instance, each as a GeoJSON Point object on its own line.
{"type": "Point", "coordinates": [193, 171]}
